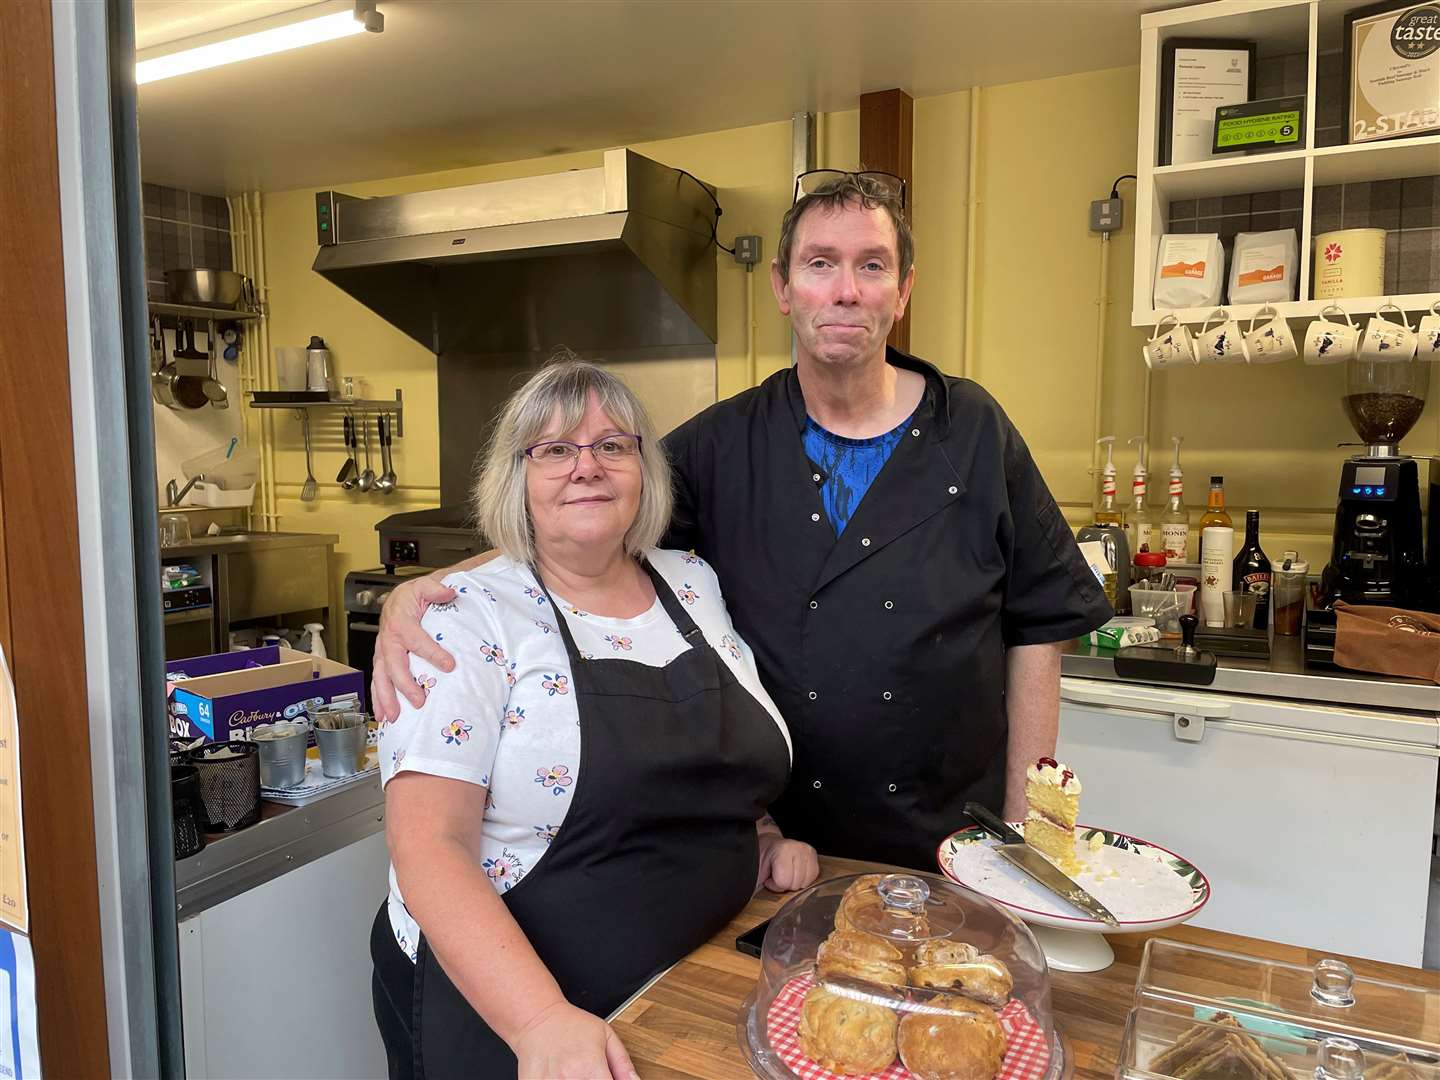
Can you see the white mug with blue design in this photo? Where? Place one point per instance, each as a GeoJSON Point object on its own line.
{"type": "Point", "coordinates": [1171, 346]}
{"type": "Point", "coordinates": [1386, 341]}
{"type": "Point", "coordinates": [1271, 342]}
{"type": "Point", "coordinates": [1329, 341]}
{"type": "Point", "coordinates": [1429, 347]}
{"type": "Point", "coordinates": [1225, 344]}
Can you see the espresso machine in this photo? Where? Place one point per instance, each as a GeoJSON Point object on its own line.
{"type": "Point", "coordinates": [1377, 556]}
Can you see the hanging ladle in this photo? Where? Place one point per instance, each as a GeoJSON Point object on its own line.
{"type": "Point", "coordinates": [367, 475]}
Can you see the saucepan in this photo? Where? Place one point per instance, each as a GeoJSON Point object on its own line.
{"type": "Point", "coordinates": [205, 288]}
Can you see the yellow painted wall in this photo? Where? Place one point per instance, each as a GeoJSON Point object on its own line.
{"type": "Point", "coordinates": [1046, 149]}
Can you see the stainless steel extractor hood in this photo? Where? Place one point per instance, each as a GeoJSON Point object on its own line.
{"type": "Point", "coordinates": [618, 255]}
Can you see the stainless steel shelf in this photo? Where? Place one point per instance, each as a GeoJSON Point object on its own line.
{"type": "Point", "coordinates": [394, 406]}
{"type": "Point", "coordinates": [192, 311]}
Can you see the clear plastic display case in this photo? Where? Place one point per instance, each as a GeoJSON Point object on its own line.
{"type": "Point", "coordinates": [1202, 1013]}
{"type": "Point", "coordinates": [899, 975]}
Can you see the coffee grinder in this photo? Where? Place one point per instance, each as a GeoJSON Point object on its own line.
{"type": "Point", "coordinates": [1377, 556]}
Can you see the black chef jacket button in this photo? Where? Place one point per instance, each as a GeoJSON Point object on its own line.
{"type": "Point", "coordinates": [813, 695]}
{"type": "Point", "coordinates": [887, 695]}
{"type": "Point", "coordinates": [889, 604]}
{"type": "Point", "coordinates": [892, 787]}
{"type": "Point", "coordinates": [815, 784]}
{"type": "Point", "coordinates": [953, 489]}
{"type": "Point", "coordinates": [813, 605]}
{"type": "Point", "coordinates": [915, 432]}
{"type": "Point", "coordinates": [864, 541]}
{"type": "Point", "coordinates": [815, 477]}
{"type": "Point", "coordinates": [814, 517]}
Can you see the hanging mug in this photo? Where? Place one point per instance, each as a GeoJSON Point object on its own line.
{"type": "Point", "coordinates": [1386, 341]}
{"type": "Point", "coordinates": [1171, 346]}
{"type": "Point", "coordinates": [1429, 347]}
{"type": "Point", "coordinates": [1328, 342]}
{"type": "Point", "coordinates": [1271, 342]}
{"type": "Point", "coordinates": [1225, 344]}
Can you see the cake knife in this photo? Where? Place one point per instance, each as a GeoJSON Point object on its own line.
{"type": "Point", "coordinates": [1015, 851]}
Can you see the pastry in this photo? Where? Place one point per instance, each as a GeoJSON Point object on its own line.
{"type": "Point", "coordinates": [860, 956]}
{"type": "Point", "coordinates": [862, 884]}
{"type": "Point", "coordinates": [954, 965]}
{"type": "Point", "coordinates": [844, 1035]}
{"type": "Point", "coordinates": [1398, 1067]}
{"type": "Point", "coordinates": [1220, 1050]}
{"type": "Point", "coordinates": [1053, 792]}
{"type": "Point", "coordinates": [951, 1038]}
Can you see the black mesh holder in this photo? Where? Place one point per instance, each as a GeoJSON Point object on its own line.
{"type": "Point", "coordinates": [229, 779]}
{"type": "Point", "coordinates": [186, 811]}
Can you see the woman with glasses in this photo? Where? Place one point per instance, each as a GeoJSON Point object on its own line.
{"type": "Point", "coordinates": [581, 801]}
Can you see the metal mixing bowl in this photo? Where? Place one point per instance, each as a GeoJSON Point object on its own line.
{"type": "Point", "coordinates": [204, 288]}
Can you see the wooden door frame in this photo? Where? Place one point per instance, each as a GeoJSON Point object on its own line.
{"type": "Point", "coordinates": [41, 609]}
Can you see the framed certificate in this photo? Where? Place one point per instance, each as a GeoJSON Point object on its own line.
{"type": "Point", "coordinates": [1392, 70]}
{"type": "Point", "coordinates": [1197, 75]}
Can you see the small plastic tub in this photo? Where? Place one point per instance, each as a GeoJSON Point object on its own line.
{"type": "Point", "coordinates": [1165, 606]}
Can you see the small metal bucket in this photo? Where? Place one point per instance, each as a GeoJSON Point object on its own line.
{"type": "Point", "coordinates": [342, 750]}
{"type": "Point", "coordinates": [282, 754]}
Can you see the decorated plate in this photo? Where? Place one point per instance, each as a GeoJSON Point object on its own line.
{"type": "Point", "coordinates": [1145, 886]}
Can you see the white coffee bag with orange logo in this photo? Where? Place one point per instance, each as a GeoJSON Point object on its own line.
{"type": "Point", "coordinates": [1189, 270]}
{"type": "Point", "coordinates": [1262, 267]}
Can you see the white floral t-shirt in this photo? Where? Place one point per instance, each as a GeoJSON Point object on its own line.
{"type": "Point", "coordinates": [505, 718]}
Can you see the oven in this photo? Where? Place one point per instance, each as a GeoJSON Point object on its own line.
{"type": "Point", "coordinates": [365, 592]}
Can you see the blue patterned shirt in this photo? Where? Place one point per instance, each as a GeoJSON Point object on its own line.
{"type": "Point", "coordinates": [848, 466]}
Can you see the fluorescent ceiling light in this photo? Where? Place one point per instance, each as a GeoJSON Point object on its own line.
{"type": "Point", "coordinates": [247, 47]}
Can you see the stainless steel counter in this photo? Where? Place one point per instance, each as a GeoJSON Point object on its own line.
{"type": "Point", "coordinates": [289, 839]}
{"type": "Point", "coordinates": [235, 543]}
{"type": "Point", "coordinates": [1284, 675]}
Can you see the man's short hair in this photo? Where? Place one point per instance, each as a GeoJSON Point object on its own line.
{"type": "Point", "coordinates": [838, 194]}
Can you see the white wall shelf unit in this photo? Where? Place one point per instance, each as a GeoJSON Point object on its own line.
{"type": "Point", "coordinates": [1281, 28]}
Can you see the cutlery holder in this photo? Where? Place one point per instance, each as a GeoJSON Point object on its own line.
{"type": "Point", "coordinates": [228, 775]}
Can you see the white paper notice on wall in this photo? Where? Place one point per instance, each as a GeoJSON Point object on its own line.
{"type": "Point", "coordinates": [14, 902]}
{"type": "Point", "coordinates": [19, 1047]}
{"type": "Point", "coordinates": [1204, 80]}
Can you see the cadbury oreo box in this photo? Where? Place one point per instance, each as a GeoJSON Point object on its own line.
{"type": "Point", "coordinates": [225, 695]}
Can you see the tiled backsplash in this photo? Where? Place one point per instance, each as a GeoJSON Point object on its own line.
{"type": "Point", "coordinates": [1409, 211]}
{"type": "Point", "coordinates": [183, 229]}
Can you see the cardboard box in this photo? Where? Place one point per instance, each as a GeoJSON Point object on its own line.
{"type": "Point", "coordinates": [225, 695]}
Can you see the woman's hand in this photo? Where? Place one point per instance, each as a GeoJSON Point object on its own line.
{"type": "Point", "coordinates": [566, 1043]}
{"type": "Point", "coordinates": [400, 635]}
{"type": "Point", "coordinates": [785, 865]}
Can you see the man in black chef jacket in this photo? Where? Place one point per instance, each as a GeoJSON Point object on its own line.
{"type": "Point", "coordinates": [887, 547]}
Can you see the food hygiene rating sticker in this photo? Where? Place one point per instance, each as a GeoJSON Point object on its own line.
{"type": "Point", "coordinates": [1268, 129]}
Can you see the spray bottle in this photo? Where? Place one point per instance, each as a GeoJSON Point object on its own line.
{"type": "Point", "coordinates": [1140, 522]}
{"type": "Point", "coordinates": [1108, 529]}
{"type": "Point", "coordinates": [1175, 522]}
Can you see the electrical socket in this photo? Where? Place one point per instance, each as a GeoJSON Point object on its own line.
{"type": "Point", "coordinates": [1107, 215]}
{"type": "Point", "coordinates": [747, 250]}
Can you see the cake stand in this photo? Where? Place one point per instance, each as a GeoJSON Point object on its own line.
{"type": "Point", "coordinates": [1071, 939]}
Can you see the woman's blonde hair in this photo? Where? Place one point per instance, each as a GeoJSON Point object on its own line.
{"type": "Point", "coordinates": [565, 383]}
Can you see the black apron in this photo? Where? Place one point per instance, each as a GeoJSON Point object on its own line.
{"type": "Point", "coordinates": [656, 853]}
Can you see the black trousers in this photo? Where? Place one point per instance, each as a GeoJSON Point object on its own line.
{"type": "Point", "coordinates": [392, 987]}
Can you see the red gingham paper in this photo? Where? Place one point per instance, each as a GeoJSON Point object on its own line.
{"type": "Point", "coordinates": [1028, 1055]}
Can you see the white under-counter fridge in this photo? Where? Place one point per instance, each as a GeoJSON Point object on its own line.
{"type": "Point", "coordinates": [1314, 819]}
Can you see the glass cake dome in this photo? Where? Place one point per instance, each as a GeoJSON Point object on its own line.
{"type": "Point", "coordinates": [899, 975]}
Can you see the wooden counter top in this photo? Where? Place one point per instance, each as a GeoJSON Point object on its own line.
{"type": "Point", "coordinates": [685, 1024]}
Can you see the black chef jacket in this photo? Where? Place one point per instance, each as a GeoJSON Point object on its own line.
{"type": "Point", "coordinates": [884, 648]}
